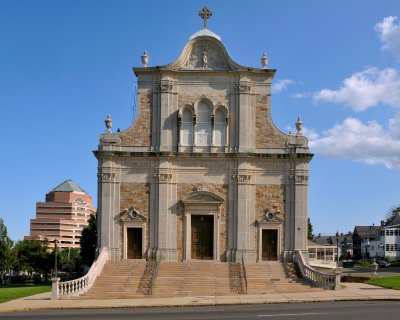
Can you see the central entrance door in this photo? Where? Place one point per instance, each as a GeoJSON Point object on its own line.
{"type": "Point", "coordinates": [202, 237]}
{"type": "Point", "coordinates": [269, 244]}
{"type": "Point", "coordinates": [134, 239]}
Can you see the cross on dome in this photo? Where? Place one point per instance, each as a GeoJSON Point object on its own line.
{"type": "Point", "coordinates": [205, 14]}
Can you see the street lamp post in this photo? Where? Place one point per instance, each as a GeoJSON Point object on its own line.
{"type": "Point", "coordinates": [337, 249]}
{"type": "Point", "coordinates": [55, 258]}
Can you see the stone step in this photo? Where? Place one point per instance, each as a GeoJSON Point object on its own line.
{"type": "Point", "coordinates": [120, 279]}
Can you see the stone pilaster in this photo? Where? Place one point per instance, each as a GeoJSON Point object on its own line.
{"type": "Point", "coordinates": [244, 215]}
{"type": "Point", "coordinates": [297, 210]}
{"type": "Point", "coordinates": [108, 209]}
{"type": "Point", "coordinates": [246, 116]}
{"type": "Point", "coordinates": [167, 125]}
{"type": "Point", "coordinates": [165, 214]}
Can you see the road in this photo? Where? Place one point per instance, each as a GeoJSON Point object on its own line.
{"type": "Point", "coordinates": [365, 310]}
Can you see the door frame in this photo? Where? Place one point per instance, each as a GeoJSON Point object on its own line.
{"type": "Point", "coordinates": [262, 243]}
{"type": "Point", "coordinates": [278, 228]}
{"type": "Point", "coordinates": [201, 203]}
{"type": "Point", "coordinates": [188, 234]}
{"type": "Point", "coordinates": [212, 234]}
{"type": "Point", "coordinates": [125, 238]}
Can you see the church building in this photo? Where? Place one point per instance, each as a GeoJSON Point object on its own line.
{"type": "Point", "coordinates": [203, 173]}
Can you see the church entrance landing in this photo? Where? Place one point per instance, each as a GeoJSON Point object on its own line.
{"type": "Point", "coordinates": [269, 245]}
{"type": "Point", "coordinates": [202, 237]}
{"type": "Point", "coordinates": [134, 237]}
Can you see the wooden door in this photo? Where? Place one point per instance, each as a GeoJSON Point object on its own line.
{"type": "Point", "coordinates": [269, 245]}
{"type": "Point", "coordinates": [202, 237]}
{"type": "Point", "coordinates": [134, 239]}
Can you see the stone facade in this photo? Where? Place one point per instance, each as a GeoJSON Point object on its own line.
{"type": "Point", "coordinates": [203, 172]}
{"type": "Point", "coordinates": [139, 134]}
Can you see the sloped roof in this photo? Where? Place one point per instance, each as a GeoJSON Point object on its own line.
{"type": "Point", "coordinates": [68, 186]}
{"type": "Point", "coordinates": [366, 231]}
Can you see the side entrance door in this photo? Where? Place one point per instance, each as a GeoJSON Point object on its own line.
{"type": "Point", "coordinates": [134, 238]}
{"type": "Point", "coordinates": [269, 245]}
{"type": "Point", "coordinates": [202, 237]}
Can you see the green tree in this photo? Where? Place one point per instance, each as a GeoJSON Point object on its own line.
{"type": "Point", "coordinates": [89, 241]}
{"type": "Point", "coordinates": [69, 259]}
{"type": "Point", "coordinates": [310, 234]}
{"type": "Point", "coordinates": [6, 253]}
{"type": "Point", "coordinates": [33, 255]}
{"type": "Point", "coordinates": [393, 211]}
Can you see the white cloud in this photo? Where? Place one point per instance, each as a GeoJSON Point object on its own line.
{"type": "Point", "coordinates": [310, 134]}
{"type": "Point", "coordinates": [394, 126]}
{"type": "Point", "coordinates": [281, 85]}
{"type": "Point", "coordinates": [365, 89]}
{"type": "Point", "coordinates": [301, 95]}
{"type": "Point", "coordinates": [369, 143]}
{"type": "Point", "coordinates": [389, 33]}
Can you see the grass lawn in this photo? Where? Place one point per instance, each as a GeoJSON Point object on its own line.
{"type": "Point", "coordinates": [11, 293]}
{"type": "Point", "coordinates": [387, 282]}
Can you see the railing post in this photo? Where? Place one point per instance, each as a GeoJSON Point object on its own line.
{"type": "Point", "coordinates": [55, 293]}
{"type": "Point", "coordinates": [337, 279]}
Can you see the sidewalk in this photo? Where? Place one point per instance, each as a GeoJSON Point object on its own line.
{"type": "Point", "coordinates": [352, 291]}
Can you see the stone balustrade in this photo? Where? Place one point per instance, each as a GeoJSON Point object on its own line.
{"type": "Point", "coordinates": [66, 289]}
{"type": "Point", "coordinates": [320, 279]}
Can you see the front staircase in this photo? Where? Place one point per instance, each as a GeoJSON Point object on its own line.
{"type": "Point", "coordinates": [194, 278]}
{"type": "Point", "coordinates": [274, 277]}
{"type": "Point", "coordinates": [128, 279]}
{"type": "Point", "coordinates": [118, 280]}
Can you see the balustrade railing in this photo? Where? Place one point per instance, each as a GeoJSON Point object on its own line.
{"type": "Point", "coordinates": [320, 279]}
{"type": "Point", "coordinates": [79, 286]}
{"type": "Point", "coordinates": [148, 278]}
{"type": "Point", "coordinates": [244, 275]}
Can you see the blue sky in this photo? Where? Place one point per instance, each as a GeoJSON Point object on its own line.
{"type": "Point", "coordinates": [64, 65]}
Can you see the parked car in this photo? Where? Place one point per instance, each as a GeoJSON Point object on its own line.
{"type": "Point", "coordinates": [382, 263]}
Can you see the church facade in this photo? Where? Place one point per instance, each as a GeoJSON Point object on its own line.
{"type": "Point", "coordinates": [203, 173]}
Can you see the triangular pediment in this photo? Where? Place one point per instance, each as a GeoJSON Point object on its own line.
{"type": "Point", "coordinates": [203, 197]}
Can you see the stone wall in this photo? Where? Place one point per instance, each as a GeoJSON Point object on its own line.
{"type": "Point", "coordinates": [139, 133]}
{"type": "Point", "coordinates": [184, 190]}
{"type": "Point", "coordinates": [267, 134]}
{"type": "Point", "coordinates": [270, 196]}
{"type": "Point", "coordinates": [133, 194]}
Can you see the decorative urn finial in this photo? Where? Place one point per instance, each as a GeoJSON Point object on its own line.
{"type": "Point", "coordinates": [264, 60]}
{"type": "Point", "coordinates": [108, 123]}
{"type": "Point", "coordinates": [299, 126]}
{"type": "Point", "coordinates": [145, 59]}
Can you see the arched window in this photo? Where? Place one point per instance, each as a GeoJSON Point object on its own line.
{"type": "Point", "coordinates": [187, 128]}
{"type": "Point", "coordinates": [203, 124]}
{"type": "Point", "coordinates": [219, 128]}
